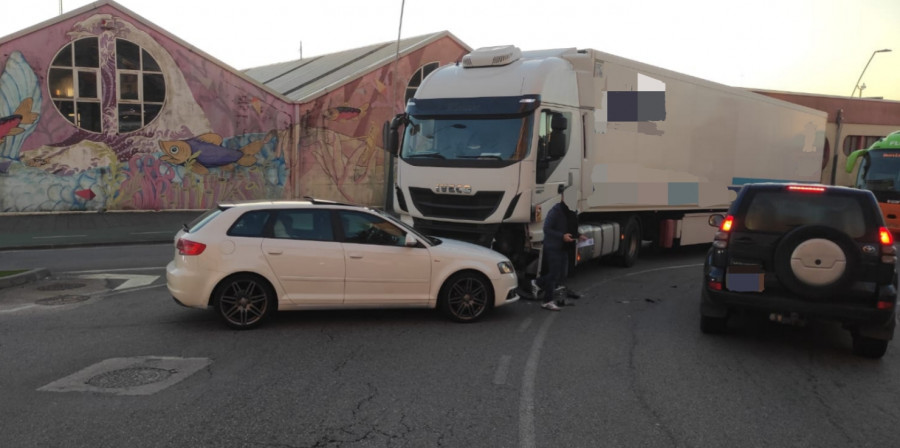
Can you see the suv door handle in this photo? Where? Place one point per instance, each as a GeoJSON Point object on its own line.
{"type": "Point", "coordinates": [275, 251]}
{"type": "Point", "coordinates": [355, 255]}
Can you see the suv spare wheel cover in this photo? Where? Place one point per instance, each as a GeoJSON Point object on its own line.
{"type": "Point", "coordinates": [810, 244]}
{"type": "Point", "coordinates": [818, 262]}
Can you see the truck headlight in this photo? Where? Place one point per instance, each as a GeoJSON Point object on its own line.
{"type": "Point", "coordinates": [505, 267]}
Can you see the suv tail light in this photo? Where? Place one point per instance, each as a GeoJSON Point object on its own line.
{"type": "Point", "coordinates": [888, 251]}
{"type": "Point", "coordinates": [721, 239]}
{"type": "Point", "coordinates": [188, 247]}
{"type": "Point", "coordinates": [806, 188]}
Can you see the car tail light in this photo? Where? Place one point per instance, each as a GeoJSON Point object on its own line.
{"type": "Point", "coordinates": [721, 239]}
{"type": "Point", "coordinates": [188, 247]}
{"type": "Point", "coordinates": [806, 188]}
{"type": "Point", "coordinates": [715, 285]}
{"type": "Point", "coordinates": [885, 305]}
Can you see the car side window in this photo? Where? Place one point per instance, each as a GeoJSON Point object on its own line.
{"type": "Point", "coordinates": [364, 228]}
{"type": "Point", "coordinates": [304, 224]}
{"type": "Point", "coordinates": [250, 224]}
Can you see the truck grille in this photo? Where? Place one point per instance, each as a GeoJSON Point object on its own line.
{"type": "Point", "coordinates": [475, 208]}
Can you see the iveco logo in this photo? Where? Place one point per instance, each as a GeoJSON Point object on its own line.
{"type": "Point", "coordinates": [453, 189]}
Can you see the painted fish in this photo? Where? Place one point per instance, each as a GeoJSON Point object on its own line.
{"type": "Point", "coordinates": [9, 125]}
{"type": "Point", "coordinates": [342, 113]}
{"type": "Point", "coordinates": [206, 151]}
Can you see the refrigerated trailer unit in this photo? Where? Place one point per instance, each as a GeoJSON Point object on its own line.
{"type": "Point", "coordinates": [641, 153]}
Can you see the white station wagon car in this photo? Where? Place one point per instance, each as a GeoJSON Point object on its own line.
{"type": "Point", "coordinates": [247, 260]}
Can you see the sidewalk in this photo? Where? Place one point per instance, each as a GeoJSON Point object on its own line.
{"type": "Point", "coordinates": [67, 229]}
{"type": "Point", "coordinates": [23, 231]}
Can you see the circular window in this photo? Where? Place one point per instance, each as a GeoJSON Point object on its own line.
{"type": "Point", "coordinates": [77, 86]}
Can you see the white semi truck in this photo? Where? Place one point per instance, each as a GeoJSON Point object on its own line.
{"type": "Point", "coordinates": [641, 153]}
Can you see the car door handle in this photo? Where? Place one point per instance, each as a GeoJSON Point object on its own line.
{"type": "Point", "coordinates": [354, 255]}
{"type": "Point", "coordinates": [275, 252]}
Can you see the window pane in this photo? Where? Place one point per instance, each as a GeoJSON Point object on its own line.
{"type": "Point", "coordinates": [89, 116]}
{"type": "Point", "coordinates": [150, 112]}
{"type": "Point", "coordinates": [87, 53]}
{"type": "Point", "coordinates": [250, 224]}
{"type": "Point", "coordinates": [154, 88]}
{"type": "Point", "coordinates": [87, 84]}
{"type": "Point", "coordinates": [128, 86]}
{"type": "Point", "coordinates": [128, 55]}
{"type": "Point", "coordinates": [129, 117]}
{"type": "Point", "coordinates": [64, 57]}
{"type": "Point", "coordinates": [150, 64]}
{"type": "Point", "coordinates": [61, 83]}
{"type": "Point", "coordinates": [67, 108]}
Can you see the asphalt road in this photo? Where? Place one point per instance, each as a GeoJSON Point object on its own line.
{"type": "Point", "coordinates": [626, 366]}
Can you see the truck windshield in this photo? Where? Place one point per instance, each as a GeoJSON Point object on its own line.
{"type": "Point", "coordinates": [880, 173]}
{"type": "Point", "coordinates": [454, 138]}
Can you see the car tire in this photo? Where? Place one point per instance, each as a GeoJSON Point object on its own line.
{"type": "Point", "coordinates": [244, 301]}
{"type": "Point", "coordinates": [466, 297]}
{"type": "Point", "coordinates": [792, 261]}
{"type": "Point", "coordinates": [869, 347]}
{"type": "Point", "coordinates": [713, 325]}
{"type": "Point", "coordinates": [631, 243]}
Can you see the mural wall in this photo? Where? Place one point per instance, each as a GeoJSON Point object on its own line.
{"type": "Point", "coordinates": [98, 113]}
{"type": "Point", "coordinates": [342, 156]}
{"type": "Point", "coordinates": [102, 112]}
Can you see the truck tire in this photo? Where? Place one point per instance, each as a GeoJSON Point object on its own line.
{"type": "Point", "coordinates": [631, 243]}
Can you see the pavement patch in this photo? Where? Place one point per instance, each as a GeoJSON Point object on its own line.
{"type": "Point", "coordinates": [144, 375]}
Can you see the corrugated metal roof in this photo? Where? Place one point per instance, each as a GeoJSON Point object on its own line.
{"type": "Point", "coordinates": [304, 79]}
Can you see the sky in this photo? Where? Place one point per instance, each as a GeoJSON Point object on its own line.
{"type": "Point", "coordinates": [807, 46]}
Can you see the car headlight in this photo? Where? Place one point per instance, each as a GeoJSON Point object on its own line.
{"type": "Point", "coordinates": [505, 267]}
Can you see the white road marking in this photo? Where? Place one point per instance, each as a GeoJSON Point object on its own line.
{"type": "Point", "coordinates": [525, 324]}
{"type": "Point", "coordinates": [526, 402]}
{"type": "Point", "coordinates": [13, 310]}
{"type": "Point", "coordinates": [502, 370]}
{"type": "Point", "coordinates": [131, 281]}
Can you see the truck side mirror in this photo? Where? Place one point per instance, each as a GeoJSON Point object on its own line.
{"type": "Point", "coordinates": [390, 135]}
{"type": "Point", "coordinates": [559, 123]}
{"type": "Point", "coordinates": [557, 147]}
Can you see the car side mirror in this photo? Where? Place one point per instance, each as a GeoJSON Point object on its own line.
{"type": "Point", "coordinates": [716, 220]}
{"type": "Point", "coordinates": [411, 240]}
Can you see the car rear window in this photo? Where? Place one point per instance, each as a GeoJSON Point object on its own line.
{"type": "Point", "coordinates": [777, 211]}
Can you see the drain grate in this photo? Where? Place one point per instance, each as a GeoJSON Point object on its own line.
{"type": "Point", "coordinates": [130, 377]}
{"type": "Point", "coordinates": [60, 286]}
{"type": "Point", "coordinates": [62, 300]}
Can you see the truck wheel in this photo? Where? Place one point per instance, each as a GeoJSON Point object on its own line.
{"type": "Point", "coordinates": [869, 347]}
{"type": "Point", "coordinates": [631, 243]}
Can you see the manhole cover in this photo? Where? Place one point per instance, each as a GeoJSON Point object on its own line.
{"type": "Point", "coordinates": [60, 286]}
{"type": "Point", "coordinates": [62, 300]}
{"type": "Point", "coordinates": [130, 377]}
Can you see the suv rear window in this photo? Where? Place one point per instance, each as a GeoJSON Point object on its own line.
{"type": "Point", "coordinates": [774, 211]}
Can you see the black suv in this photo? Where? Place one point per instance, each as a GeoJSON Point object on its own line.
{"type": "Point", "coordinates": [798, 250]}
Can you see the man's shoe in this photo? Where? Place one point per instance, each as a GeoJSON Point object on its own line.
{"type": "Point", "coordinates": [564, 302]}
{"type": "Point", "coordinates": [572, 294]}
{"type": "Point", "coordinates": [535, 289]}
{"type": "Point", "coordinates": [550, 306]}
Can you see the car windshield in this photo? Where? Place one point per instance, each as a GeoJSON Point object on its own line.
{"type": "Point", "coordinates": [431, 240]}
{"type": "Point", "coordinates": [494, 138]}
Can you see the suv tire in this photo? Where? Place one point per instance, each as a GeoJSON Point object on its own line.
{"type": "Point", "coordinates": [869, 347]}
{"type": "Point", "coordinates": [792, 261]}
{"type": "Point", "coordinates": [713, 325]}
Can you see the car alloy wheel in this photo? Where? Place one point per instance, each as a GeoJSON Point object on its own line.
{"type": "Point", "coordinates": [466, 297]}
{"type": "Point", "coordinates": [243, 301]}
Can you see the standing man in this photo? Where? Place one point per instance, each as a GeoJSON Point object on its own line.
{"type": "Point", "coordinates": [556, 238]}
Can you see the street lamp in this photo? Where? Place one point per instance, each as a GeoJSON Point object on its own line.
{"type": "Point", "coordinates": [864, 70]}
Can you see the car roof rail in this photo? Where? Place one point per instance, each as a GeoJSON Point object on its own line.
{"type": "Point", "coordinates": [324, 201]}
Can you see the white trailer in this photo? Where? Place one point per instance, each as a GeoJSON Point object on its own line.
{"type": "Point", "coordinates": [640, 152]}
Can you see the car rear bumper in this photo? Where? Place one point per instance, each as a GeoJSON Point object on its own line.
{"type": "Point", "coordinates": [718, 303]}
{"type": "Point", "coordinates": [187, 287]}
